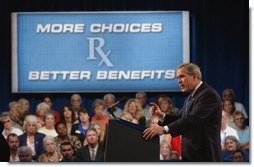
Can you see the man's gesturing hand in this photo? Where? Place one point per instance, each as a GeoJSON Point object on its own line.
{"type": "Point", "coordinates": [154, 130]}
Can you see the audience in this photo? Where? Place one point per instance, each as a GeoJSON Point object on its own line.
{"type": "Point", "coordinates": [83, 139]}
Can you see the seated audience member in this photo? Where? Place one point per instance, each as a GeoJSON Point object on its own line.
{"type": "Point", "coordinates": [67, 151]}
{"type": "Point", "coordinates": [243, 131]}
{"type": "Point", "coordinates": [174, 156]}
{"type": "Point", "coordinates": [76, 102]}
{"type": "Point", "coordinates": [231, 144]}
{"type": "Point", "coordinates": [142, 98]}
{"type": "Point", "coordinates": [93, 151]}
{"type": "Point", "coordinates": [63, 136]}
{"type": "Point", "coordinates": [68, 116]}
{"type": "Point", "coordinates": [25, 154]}
{"type": "Point", "coordinates": [109, 100]}
{"type": "Point", "coordinates": [49, 128]}
{"type": "Point", "coordinates": [32, 138]}
{"type": "Point", "coordinates": [13, 142]}
{"type": "Point", "coordinates": [226, 130]}
{"type": "Point", "coordinates": [238, 156]}
{"type": "Point", "coordinates": [49, 100]}
{"type": "Point", "coordinates": [101, 132]}
{"type": "Point", "coordinates": [51, 154]}
{"type": "Point", "coordinates": [84, 123]}
{"type": "Point", "coordinates": [229, 108]}
{"type": "Point", "coordinates": [5, 117]}
{"type": "Point", "coordinates": [4, 147]}
{"type": "Point", "coordinates": [134, 108]}
{"type": "Point", "coordinates": [229, 94]}
{"type": "Point", "coordinates": [99, 107]}
{"type": "Point", "coordinates": [174, 142]}
{"type": "Point", "coordinates": [165, 151]}
{"type": "Point", "coordinates": [25, 107]}
{"type": "Point", "coordinates": [166, 105]}
{"type": "Point", "coordinates": [16, 114]}
{"type": "Point", "coordinates": [41, 109]}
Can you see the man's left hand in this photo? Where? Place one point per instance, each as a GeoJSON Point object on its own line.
{"type": "Point", "coordinates": [154, 130]}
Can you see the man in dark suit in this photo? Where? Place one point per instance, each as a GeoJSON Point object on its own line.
{"type": "Point", "coordinates": [92, 151]}
{"type": "Point", "coordinates": [198, 121]}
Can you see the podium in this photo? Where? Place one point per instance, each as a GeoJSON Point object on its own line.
{"type": "Point", "coordinates": [125, 143]}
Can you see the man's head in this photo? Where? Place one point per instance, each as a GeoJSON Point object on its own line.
{"type": "Point", "coordinates": [67, 151]}
{"type": "Point", "coordinates": [25, 154]}
{"type": "Point", "coordinates": [188, 76]}
{"type": "Point", "coordinates": [142, 98]}
{"type": "Point", "coordinates": [13, 142]}
{"type": "Point", "coordinates": [76, 101]}
{"type": "Point", "coordinates": [92, 137]}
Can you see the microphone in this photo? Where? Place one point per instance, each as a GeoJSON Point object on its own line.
{"type": "Point", "coordinates": [112, 108]}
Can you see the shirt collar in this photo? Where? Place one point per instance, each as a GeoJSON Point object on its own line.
{"type": "Point", "coordinates": [196, 88]}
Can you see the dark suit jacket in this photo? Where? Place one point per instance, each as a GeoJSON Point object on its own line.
{"type": "Point", "coordinates": [199, 126]}
{"type": "Point", "coordinates": [39, 149]}
{"type": "Point", "coordinates": [4, 146]}
{"type": "Point", "coordinates": [83, 154]}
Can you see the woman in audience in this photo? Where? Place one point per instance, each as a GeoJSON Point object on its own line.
{"type": "Point", "coordinates": [49, 128]}
{"type": "Point", "coordinates": [101, 132]}
{"type": "Point", "coordinates": [165, 149]}
{"type": "Point", "coordinates": [84, 123]}
{"type": "Point", "coordinates": [231, 144]}
{"type": "Point", "coordinates": [68, 116]}
{"type": "Point", "coordinates": [31, 137]}
{"type": "Point", "coordinates": [243, 131]}
{"type": "Point", "coordinates": [41, 109]}
{"type": "Point", "coordinates": [51, 154]}
{"type": "Point", "coordinates": [134, 108]}
{"type": "Point", "coordinates": [5, 117]}
{"type": "Point", "coordinates": [99, 107]}
{"type": "Point", "coordinates": [63, 136]}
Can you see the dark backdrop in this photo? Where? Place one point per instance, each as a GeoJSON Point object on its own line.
{"type": "Point", "coordinates": [219, 42]}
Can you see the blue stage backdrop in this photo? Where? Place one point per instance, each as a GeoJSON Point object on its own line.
{"type": "Point", "coordinates": [98, 51]}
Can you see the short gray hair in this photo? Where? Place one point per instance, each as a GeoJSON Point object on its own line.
{"type": "Point", "coordinates": [192, 69]}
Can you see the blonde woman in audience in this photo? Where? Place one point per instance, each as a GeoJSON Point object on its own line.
{"type": "Point", "coordinates": [101, 132]}
{"type": "Point", "coordinates": [31, 137]}
{"type": "Point", "coordinates": [134, 108]}
{"type": "Point", "coordinates": [51, 154]}
{"type": "Point", "coordinates": [16, 112]}
{"type": "Point", "coordinates": [49, 128]}
{"type": "Point", "coordinates": [165, 149]}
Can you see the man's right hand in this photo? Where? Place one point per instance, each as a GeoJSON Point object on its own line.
{"type": "Point", "coordinates": [156, 111]}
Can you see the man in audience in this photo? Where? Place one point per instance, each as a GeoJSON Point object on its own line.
{"type": "Point", "coordinates": [91, 152]}
{"type": "Point", "coordinates": [13, 142]}
{"type": "Point", "coordinates": [67, 151]}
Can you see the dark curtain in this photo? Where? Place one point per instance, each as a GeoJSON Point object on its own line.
{"type": "Point", "coordinates": [219, 31]}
